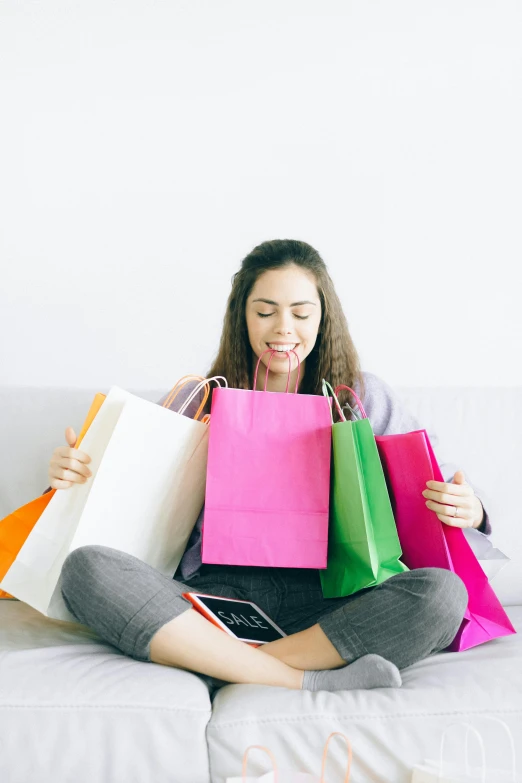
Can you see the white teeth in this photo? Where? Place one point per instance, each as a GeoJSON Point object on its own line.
{"type": "Point", "coordinates": [289, 347]}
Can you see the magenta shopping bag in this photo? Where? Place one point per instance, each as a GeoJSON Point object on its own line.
{"type": "Point", "coordinates": [409, 462]}
{"type": "Point", "coordinates": [268, 478]}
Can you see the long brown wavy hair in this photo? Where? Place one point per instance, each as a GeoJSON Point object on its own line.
{"type": "Point", "coordinates": [333, 356]}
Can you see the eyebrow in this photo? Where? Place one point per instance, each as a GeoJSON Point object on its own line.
{"type": "Point", "coordinates": [294, 304]}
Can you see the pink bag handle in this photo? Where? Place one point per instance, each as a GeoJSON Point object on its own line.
{"type": "Point", "coordinates": [359, 403]}
{"type": "Point", "coordinates": [325, 756]}
{"type": "Point", "coordinates": [327, 386]}
{"type": "Point", "coordinates": [272, 351]}
{"type": "Point", "coordinates": [270, 755]}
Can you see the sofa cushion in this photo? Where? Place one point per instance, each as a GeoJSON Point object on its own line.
{"type": "Point", "coordinates": [89, 713]}
{"type": "Point", "coordinates": [391, 729]}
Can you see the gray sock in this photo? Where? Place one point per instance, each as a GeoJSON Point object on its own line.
{"type": "Point", "coordinates": [370, 671]}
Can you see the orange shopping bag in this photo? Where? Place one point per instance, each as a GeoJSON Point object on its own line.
{"type": "Point", "coordinates": [15, 528]}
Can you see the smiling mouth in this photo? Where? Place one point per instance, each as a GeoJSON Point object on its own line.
{"type": "Point", "coordinates": [283, 349]}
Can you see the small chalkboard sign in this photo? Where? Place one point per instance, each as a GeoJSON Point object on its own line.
{"type": "Point", "coordinates": [242, 619]}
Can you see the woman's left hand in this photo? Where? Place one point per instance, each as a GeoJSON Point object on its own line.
{"type": "Point", "coordinates": [443, 498]}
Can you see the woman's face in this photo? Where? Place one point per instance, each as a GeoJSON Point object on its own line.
{"type": "Point", "coordinates": [283, 311]}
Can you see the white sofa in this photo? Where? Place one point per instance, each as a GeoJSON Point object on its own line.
{"type": "Point", "coordinates": [73, 708]}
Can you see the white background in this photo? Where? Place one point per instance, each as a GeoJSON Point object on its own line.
{"type": "Point", "coordinates": [147, 147]}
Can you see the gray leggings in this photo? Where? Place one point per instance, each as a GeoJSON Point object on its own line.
{"type": "Point", "coordinates": [405, 619]}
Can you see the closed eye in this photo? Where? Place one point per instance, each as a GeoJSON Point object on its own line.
{"type": "Point", "coordinates": [300, 317]}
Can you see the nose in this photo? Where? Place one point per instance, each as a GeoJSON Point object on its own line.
{"type": "Point", "coordinates": [283, 326]}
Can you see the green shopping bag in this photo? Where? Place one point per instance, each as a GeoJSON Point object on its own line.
{"type": "Point", "coordinates": [363, 544]}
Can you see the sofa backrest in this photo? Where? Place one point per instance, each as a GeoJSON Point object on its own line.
{"type": "Point", "coordinates": [479, 429]}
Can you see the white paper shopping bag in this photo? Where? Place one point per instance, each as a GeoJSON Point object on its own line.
{"type": "Point", "coordinates": [145, 494]}
{"type": "Point", "coordinates": [277, 775]}
{"type": "Point", "coordinates": [469, 769]}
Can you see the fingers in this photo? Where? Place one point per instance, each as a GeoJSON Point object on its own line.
{"type": "Point", "coordinates": [462, 520]}
{"type": "Point", "coordinates": [448, 489]}
{"type": "Point", "coordinates": [68, 465]}
{"type": "Point", "coordinates": [446, 514]}
{"type": "Point", "coordinates": [58, 484]}
{"type": "Point", "coordinates": [70, 436]}
{"type": "Point", "coordinates": [64, 452]}
{"type": "Point", "coordinates": [455, 521]}
{"type": "Point", "coordinates": [464, 509]}
{"type": "Point", "coordinates": [62, 478]}
{"type": "Point", "coordinates": [450, 499]}
{"type": "Point", "coordinates": [64, 474]}
{"type": "Point", "coordinates": [71, 466]}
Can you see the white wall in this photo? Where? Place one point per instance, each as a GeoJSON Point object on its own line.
{"type": "Point", "coordinates": [146, 147]}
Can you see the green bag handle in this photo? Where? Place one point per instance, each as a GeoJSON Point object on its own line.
{"type": "Point", "coordinates": [327, 386]}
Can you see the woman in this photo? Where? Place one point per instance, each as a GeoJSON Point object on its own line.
{"type": "Point", "coordinates": [282, 298]}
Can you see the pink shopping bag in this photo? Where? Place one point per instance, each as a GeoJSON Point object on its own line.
{"type": "Point", "coordinates": [409, 462]}
{"type": "Point", "coordinates": [268, 478]}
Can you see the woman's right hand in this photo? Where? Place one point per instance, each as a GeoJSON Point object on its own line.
{"type": "Point", "coordinates": [68, 465]}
